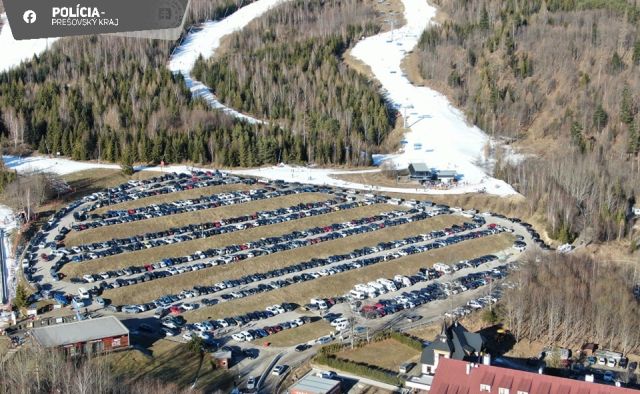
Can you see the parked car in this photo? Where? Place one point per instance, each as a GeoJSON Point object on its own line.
{"type": "Point", "coordinates": [279, 370]}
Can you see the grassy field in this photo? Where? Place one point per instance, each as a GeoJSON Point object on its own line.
{"type": "Point", "coordinates": [181, 195]}
{"type": "Point", "coordinates": [181, 249]}
{"type": "Point", "coordinates": [151, 290]}
{"type": "Point", "coordinates": [298, 335]}
{"type": "Point", "coordinates": [183, 219]}
{"type": "Point", "coordinates": [171, 362]}
{"type": "Point", "coordinates": [379, 354]}
{"type": "Point", "coordinates": [427, 332]}
{"type": "Point", "coordinates": [334, 285]}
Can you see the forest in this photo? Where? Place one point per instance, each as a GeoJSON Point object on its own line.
{"type": "Point", "coordinates": [558, 79]}
{"type": "Point", "coordinates": [286, 67]}
{"type": "Point", "coordinates": [566, 300]}
{"type": "Point", "coordinates": [113, 99]}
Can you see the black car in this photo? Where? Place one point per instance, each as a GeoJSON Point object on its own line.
{"type": "Point", "coordinates": [302, 347]}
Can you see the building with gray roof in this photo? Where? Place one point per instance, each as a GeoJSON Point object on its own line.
{"type": "Point", "coordinates": [86, 336]}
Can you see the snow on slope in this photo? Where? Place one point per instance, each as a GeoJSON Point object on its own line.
{"type": "Point", "coordinates": [54, 165]}
{"type": "Point", "coordinates": [14, 52]}
{"type": "Point", "coordinates": [439, 135]}
{"type": "Point", "coordinates": [204, 40]}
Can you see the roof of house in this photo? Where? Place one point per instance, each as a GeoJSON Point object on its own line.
{"type": "Point", "coordinates": [456, 340]}
{"type": "Point", "coordinates": [222, 355]}
{"type": "Point", "coordinates": [419, 167]}
{"type": "Point", "coordinates": [314, 384]}
{"type": "Point", "coordinates": [451, 377]}
{"type": "Point", "coordinates": [447, 173]}
{"type": "Point", "coordinates": [79, 331]}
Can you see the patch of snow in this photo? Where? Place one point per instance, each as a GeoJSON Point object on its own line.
{"type": "Point", "coordinates": [8, 224]}
{"type": "Point", "coordinates": [54, 165]}
{"type": "Point", "coordinates": [325, 177]}
{"type": "Point", "coordinates": [14, 52]}
{"type": "Point", "coordinates": [438, 133]}
{"type": "Point", "coordinates": [205, 40]}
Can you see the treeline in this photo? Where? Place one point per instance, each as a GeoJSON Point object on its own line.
{"type": "Point", "coordinates": [560, 79]}
{"type": "Point", "coordinates": [36, 371]}
{"type": "Point", "coordinates": [286, 67]}
{"type": "Point", "coordinates": [570, 301]}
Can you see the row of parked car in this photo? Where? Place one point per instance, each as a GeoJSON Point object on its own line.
{"type": "Point", "coordinates": [317, 303]}
{"type": "Point", "coordinates": [534, 234]}
{"type": "Point", "coordinates": [182, 206]}
{"type": "Point", "coordinates": [206, 230]}
{"type": "Point", "coordinates": [163, 184]}
{"type": "Point", "coordinates": [431, 292]}
{"type": "Point", "coordinates": [381, 286]}
{"type": "Point", "coordinates": [204, 290]}
{"type": "Point", "coordinates": [238, 252]}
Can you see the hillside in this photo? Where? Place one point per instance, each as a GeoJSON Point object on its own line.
{"type": "Point", "coordinates": [286, 66]}
{"type": "Point", "coordinates": [114, 99]}
{"type": "Point", "coordinates": [558, 79]}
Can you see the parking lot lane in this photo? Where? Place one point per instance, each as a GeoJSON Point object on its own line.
{"type": "Point", "coordinates": [180, 249]}
{"type": "Point", "coordinates": [179, 195]}
{"type": "Point", "coordinates": [146, 292]}
{"type": "Point", "coordinates": [338, 284]}
{"type": "Point", "coordinates": [123, 230]}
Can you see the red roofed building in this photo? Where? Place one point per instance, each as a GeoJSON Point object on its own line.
{"type": "Point", "coordinates": [461, 377]}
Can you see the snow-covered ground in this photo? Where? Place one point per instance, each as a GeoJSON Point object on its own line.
{"type": "Point", "coordinates": [204, 40]}
{"type": "Point", "coordinates": [439, 135]}
{"type": "Point", "coordinates": [14, 52]}
{"type": "Point", "coordinates": [8, 224]}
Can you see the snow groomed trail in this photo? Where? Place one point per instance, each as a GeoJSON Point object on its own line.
{"type": "Point", "coordinates": [204, 40]}
{"type": "Point", "coordinates": [439, 135]}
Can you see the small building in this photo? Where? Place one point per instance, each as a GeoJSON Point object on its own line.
{"type": "Point", "coordinates": [454, 341]}
{"type": "Point", "coordinates": [91, 336]}
{"type": "Point", "coordinates": [419, 171]}
{"type": "Point", "coordinates": [312, 384]}
{"type": "Point", "coordinates": [222, 359]}
{"type": "Point", "coordinates": [445, 175]}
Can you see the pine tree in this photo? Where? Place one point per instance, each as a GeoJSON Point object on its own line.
{"type": "Point", "coordinates": [484, 19]}
{"type": "Point", "coordinates": [126, 162]}
{"type": "Point", "coordinates": [632, 144]}
{"type": "Point", "coordinates": [20, 300]}
{"type": "Point", "coordinates": [600, 118]}
{"type": "Point", "coordinates": [626, 106]}
{"type": "Point", "coordinates": [635, 57]}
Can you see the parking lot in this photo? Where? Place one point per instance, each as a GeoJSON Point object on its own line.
{"type": "Point", "coordinates": [234, 260]}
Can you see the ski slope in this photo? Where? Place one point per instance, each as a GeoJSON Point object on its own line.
{"type": "Point", "coordinates": [438, 133]}
{"type": "Point", "coordinates": [14, 52]}
{"type": "Point", "coordinates": [204, 40]}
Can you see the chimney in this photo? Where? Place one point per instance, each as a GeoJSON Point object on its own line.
{"type": "Point", "coordinates": [468, 368]}
{"type": "Point", "coordinates": [486, 359]}
{"type": "Point", "coordinates": [618, 384]}
{"type": "Point", "coordinates": [588, 378]}
{"type": "Point", "coordinates": [540, 370]}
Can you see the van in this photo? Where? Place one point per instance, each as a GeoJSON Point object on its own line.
{"type": "Point", "coordinates": [357, 295]}
{"type": "Point", "coordinates": [83, 293]}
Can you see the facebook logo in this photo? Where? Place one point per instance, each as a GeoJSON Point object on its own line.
{"type": "Point", "coordinates": [29, 17]}
{"type": "Point", "coordinates": [164, 13]}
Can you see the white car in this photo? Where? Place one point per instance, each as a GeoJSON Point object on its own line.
{"type": "Point", "coordinates": [188, 336]}
{"type": "Point", "coordinates": [247, 336]}
{"type": "Point", "coordinates": [188, 307]}
{"type": "Point", "coordinates": [83, 293]}
{"type": "Point", "coordinates": [239, 337]}
{"type": "Point", "coordinates": [279, 370]}
{"type": "Point", "coordinates": [251, 383]}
